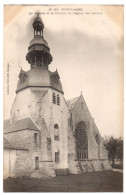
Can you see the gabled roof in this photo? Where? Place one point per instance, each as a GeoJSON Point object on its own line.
{"type": "Point", "coordinates": [71, 103]}
{"type": "Point", "coordinates": [56, 74]}
{"type": "Point", "coordinates": [7, 145]}
{"type": "Point", "coordinates": [22, 124]}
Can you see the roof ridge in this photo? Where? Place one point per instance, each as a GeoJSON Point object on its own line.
{"type": "Point", "coordinates": [72, 98]}
{"type": "Point", "coordinates": [34, 123]}
{"type": "Point", "coordinates": [71, 104]}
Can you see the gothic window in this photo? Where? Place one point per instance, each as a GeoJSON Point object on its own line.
{"type": "Point", "coordinates": [57, 159]}
{"type": "Point", "coordinates": [49, 144]}
{"type": "Point", "coordinates": [58, 100]}
{"type": "Point", "coordinates": [36, 162]}
{"type": "Point", "coordinates": [54, 98]}
{"type": "Point", "coordinates": [56, 132]}
{"type": "Point", "coordinates": [81, 140]}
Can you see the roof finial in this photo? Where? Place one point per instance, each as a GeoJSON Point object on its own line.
{"type": "Point", "coordinates": [81, 92]}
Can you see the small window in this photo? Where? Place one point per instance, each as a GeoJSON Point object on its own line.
{"type": "Point", "coordinates": [35, 138]}
{"type": "Point", "coordinates": [54, 98]}
{"type": "Point", "coordinates": [97, 140]}
{"type": "Point", "coordinates": [58, 100]}
{"type": "Point", "coordinates": [49, 144]}
{"type": "Point", "coordinates": [56, 126]}
{"type": "Point", "coordinates": [36, 162]}
{"type": "Point", "coordinates": [56, 132]}
{"type": "Point", "coordinates": [57, 157]}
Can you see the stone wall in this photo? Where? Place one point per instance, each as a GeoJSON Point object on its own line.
{"type": "Point", "coordinates": [97, 155]}
{"type": "Point", "coordinates": [52, 114]}
{"type": "Point", "coordinates": [23, 138]}
{"type": "Point", "coordinates": [37, 103]}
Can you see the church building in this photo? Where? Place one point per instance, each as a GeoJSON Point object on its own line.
{"type": "Point", "coordinates": [47, 135]}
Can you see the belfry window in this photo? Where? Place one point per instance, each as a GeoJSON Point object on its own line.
{"type": "Point", "coordinates": [54, 98]}
{"type": "Point", "coordinates": [58, 100]}
{"type": "Point", "coordinates": [56, 132]}
{"type": "Point", "coordinates": [81, 140]}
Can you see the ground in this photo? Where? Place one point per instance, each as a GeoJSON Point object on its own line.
{"type": "Point", "coordinates": [107, 181]}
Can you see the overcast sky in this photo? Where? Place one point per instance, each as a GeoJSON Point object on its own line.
{"type": "Point", "coordinates": [87, 51]}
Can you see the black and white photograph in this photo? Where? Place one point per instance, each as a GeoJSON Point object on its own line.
{"type": "Point", "coordinates": [63, 98]}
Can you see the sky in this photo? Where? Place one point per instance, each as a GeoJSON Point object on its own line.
{"type": "Point", "coordinates": [87, 50]}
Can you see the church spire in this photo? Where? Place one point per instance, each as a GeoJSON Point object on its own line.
{"type": "Point", "coordinates": [38, 50]}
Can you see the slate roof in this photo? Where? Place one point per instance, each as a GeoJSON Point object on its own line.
{"type": "Point", "coordinates": [38, 40]}
{"type": "Point", "coordinates": [7, 145]}
{"type": "Point", "coordinates": [22, 124]}
{"type": "Point", "coordinates": [71, 103]}
{"type": "Point", "coordinates": [39, 77]}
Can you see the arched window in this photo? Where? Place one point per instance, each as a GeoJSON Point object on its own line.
{"type": "Point", "coordinates": [81, 141]}
{"type": "Point", "coordinates": [56, 132]}
{"type": "Point", "coordinates": [58, 100]}
{"type": "Point", "coordinates": [54, 98]}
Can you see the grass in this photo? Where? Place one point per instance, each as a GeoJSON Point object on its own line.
{"type": "Point", "coordinates": [107, 181]}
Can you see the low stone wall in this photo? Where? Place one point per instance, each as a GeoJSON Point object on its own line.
{"type": "Point", "coordinates": [62, 171]}
{"type": "Point", "coordinates": [107, 165]}
{"type": "Point", "coordinates": [78, 167]}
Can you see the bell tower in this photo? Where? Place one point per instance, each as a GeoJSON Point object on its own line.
{"type": "Point", "coordinates": [38, 51]}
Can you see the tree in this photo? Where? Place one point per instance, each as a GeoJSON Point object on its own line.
{"type": "Point", "coordinates": [114, 146]}
{"type": "Point", "coordinates": [120, 149]}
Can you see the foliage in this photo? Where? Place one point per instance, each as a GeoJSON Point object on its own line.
{"type": "Point", "coordinates": [114, 146]}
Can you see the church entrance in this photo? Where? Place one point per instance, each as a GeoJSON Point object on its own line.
{"type": "Point", "coordinates": [81, 140]}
